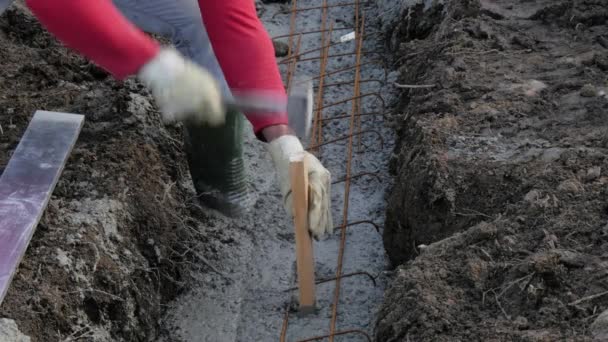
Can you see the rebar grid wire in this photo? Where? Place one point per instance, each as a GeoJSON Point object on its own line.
{"type": "Point", "coordinates": [362, 174]}
{"type": "Point", "coordinates": [306, 52]}
{"type": "Point", "coordinates": [339, 55]}
{"type": "Point", "coordinates": [285, 324]}
{"type": "Point", "coordinates": [303, 9]}
{"type": "Point", "coordinates": [291, 69]}
{"type": "Point", "coordinates": [348, 68]}
{"type": "Point", "coordinates": [317, 128]}
{"type": "Point", "coordinates": [337, 333]}
{"type": "Point", "coordinates": [382, 114]}
{"type": "Point", "coordinates": [354, 130]}
{"type": "Point", "coordinates": [290, 47]}
{"type": "Point", "coordinates": [356, 98]}
{"type": "Point", "coordinates": [359, 29]}
{"type": "Point", "coordinates": [313, 31]}
{"type": "Point", "coordinates": [356, 66]}
{"type": "Point", "coordinates": [350, 224]}
{"type": "Point", "coordinates": [310, 148]}
{"type": "Point", "coordinates": [347, 275]}
{"type": "Point", "coordinates": [350, 83]}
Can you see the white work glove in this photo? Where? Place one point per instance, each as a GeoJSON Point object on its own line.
{"type": "Point", "coordinates": [183, 91]}
{"type": "Point", "coordinates": [319, 180]}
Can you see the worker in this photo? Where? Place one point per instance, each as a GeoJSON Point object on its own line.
{"type": "Point", "coordinates": [221, 47]}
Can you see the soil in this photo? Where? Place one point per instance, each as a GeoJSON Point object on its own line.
{"type": "Point", "coordinates": [115, 243]}
{"type": "Point", "coordinates": [498, 217]}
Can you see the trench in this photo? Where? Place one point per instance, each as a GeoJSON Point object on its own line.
{"type": "Point", "coordinates": [249, 296]}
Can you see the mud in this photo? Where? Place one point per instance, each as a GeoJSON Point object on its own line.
{"type": "Point", "coordinates": [498, 214]}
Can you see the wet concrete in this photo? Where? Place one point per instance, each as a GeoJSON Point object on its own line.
{"type": "Point", "coordinates": [245, 297]}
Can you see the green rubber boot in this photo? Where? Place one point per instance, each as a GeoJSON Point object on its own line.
{"type": "Point", "coordinates": [217, 167]}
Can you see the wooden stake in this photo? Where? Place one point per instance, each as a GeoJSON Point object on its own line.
{"type": "Point", "coordinates": [304, 254]}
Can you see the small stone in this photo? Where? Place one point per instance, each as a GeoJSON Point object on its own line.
{"type": "Point", "coordinates": [532, 196]}
{"type": "Point", "coordinates": [572, 186]}
{"type": "Point", "coordinates": [588, 90]}
{"type": "Point", "coordinates": [534, 87]}
{"type": "Point", "coordinates": [280, 48]}
{"type": "Point", "coordinates": [593, 173]}
{"type": "Point", "coordinates": [601, 61]}
{"type": "Point", "coordinates": [599, 328]}
{"type": "Point", "coordinates": [521, 323]}
{"type": "Point", "coordinates": [10, 332]}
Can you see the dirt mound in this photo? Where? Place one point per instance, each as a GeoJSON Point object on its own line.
{"type": "Point", "coordinates": [500, 170]}
{"type": "Point", "coordinates": [117, 240]}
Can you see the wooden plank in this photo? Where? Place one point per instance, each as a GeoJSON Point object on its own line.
{"type": "Point", "coordinates": [304, 253]}
{"type": "Point", "coordinates": [28, 181]}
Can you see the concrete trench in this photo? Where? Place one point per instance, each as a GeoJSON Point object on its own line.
{"type": "Point", "coordinates": [124, 251]}
{"type": "Point", "coordinates": [246, 298]}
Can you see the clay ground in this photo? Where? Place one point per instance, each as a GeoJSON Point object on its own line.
{"type": "Point", "coordinates": [496, 223]}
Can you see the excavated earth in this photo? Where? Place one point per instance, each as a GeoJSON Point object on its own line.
{"type": "Point", "coordinates": [118, 238]}
{"type": "Point", "coordinates": [499, 215]}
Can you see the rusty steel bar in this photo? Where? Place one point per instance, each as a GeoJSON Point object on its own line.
{"type": "Point", "coordinates": [338, 333]}
{"type": "Point", "coordinates": [350, 82]}
{"type": "Point", "coordinates": [314, 31]}
{"type": "Point", "coordinates": [377, 95]}
{"type": "Point", "coordinates": [324, 58]}
{"type": "Point", "coordinates": [346, 275]}
{"type": "Point", "coordinates": [323, 24]}
{"type": "Point", "coordinates": [313, 50]}
{"type": "Point", "coordinates": [355, 121]}
{"type": "Point", "coordinates": [292, 28]}
{"type": "Point", "coordinates": [360, 222]}
{"type": "Point", "coordinates": [356, 66]}
{"type": "Point", "coordinates": [288, 58]}
{"type": "Point", "coordinates": [334, 314]}
{"type": "Point", "coordinates": [283, 336]}
{"type": "Point", "coordinates": [383, 114]}
{"type": "Point", "coordinates": [350, 136]}
{"type": "Point", "coordinates": [374, 174]}
{"type": "Point", "coordinates": [292, 67]}
{"type": "Point", "coordinates": [357, 102]}
{"type": "Point", "coordinates": [303, 9]}
{"type": "Point", "coordinates": [338, 55]}
{"type": "Point", "coordinates": [317, 129]}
